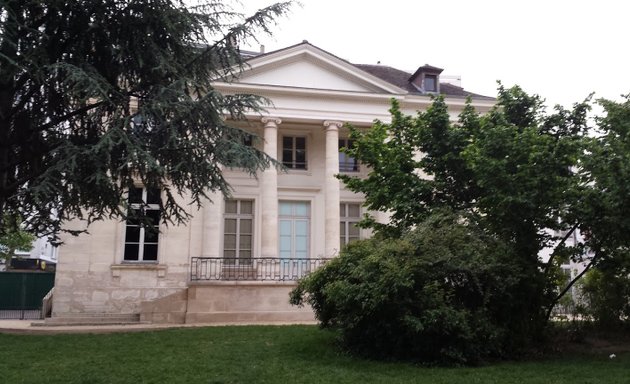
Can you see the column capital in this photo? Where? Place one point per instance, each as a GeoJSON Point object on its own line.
{"type": "Point", "coordinates": [271, 120]}
{"type": "Point", "coordinates": [332, 124]}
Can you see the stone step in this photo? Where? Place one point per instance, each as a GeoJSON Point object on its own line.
{"type": "Point", "coordinates": [91, 319]}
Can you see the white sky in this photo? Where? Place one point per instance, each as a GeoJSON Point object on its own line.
{"type": "Point", "coordinates": [560, 49]}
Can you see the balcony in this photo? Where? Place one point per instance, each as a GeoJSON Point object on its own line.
{"type": "Point", "coordinates": [252, 269]}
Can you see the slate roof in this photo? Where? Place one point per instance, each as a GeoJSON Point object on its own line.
{"type": "Point", "coordinates": [391, 75]}
{"type": "Point", "coordinates": [400, 79]}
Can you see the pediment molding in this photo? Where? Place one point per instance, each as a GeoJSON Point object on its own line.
{"type": "Point", "coordinates": [307, 66]}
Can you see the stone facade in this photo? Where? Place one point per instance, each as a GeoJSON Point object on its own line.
{"type": "Point", "coordinates": [314, 94]}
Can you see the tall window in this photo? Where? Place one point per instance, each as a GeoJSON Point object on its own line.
{"type": "Point", "coordinates": [238, 231]}
{"type": "Point", "coordinates": [350, 214]}
{"type": "Point", "coordinates": [293, 229]}
{"type": "Point", "coordinates": [142, 226]}
{"type": "Point", "coordinates": [294, 152]}
{"type": "Point", "coordinates": [347, 163]}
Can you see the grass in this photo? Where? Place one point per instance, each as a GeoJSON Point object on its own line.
{"type": "Point", "coordinates": [256, 354]}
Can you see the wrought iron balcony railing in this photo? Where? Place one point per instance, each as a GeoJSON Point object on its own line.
{"type": "Point", "coordinates": [252, 269]}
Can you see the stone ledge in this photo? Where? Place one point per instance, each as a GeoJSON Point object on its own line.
{"type": "Point", "coordinates": [242, 283]}
{"type": "Point", "coordinates": [160, 268]}
{"type": "Point", "coordinates": [261, 317]}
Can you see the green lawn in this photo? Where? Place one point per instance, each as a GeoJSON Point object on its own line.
{"type": "Point", "coordinates": [287, 354]}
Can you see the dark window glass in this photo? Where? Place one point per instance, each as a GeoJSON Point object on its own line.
{"type": "Point", "coordinates": [150, 252]}
{"type": "Point", "coordinates": [142, 226]}
{"type": "Point", "coordinates": [346, 162]}
{"type": "Point", "coordinates": [151, 235]}
{"type": "Point", "coordinates": [300, 143]}
{"type": "Point", "coordinates": [135, 196]}
{"type": "Point", "coordinates": [131, 252]}
{"type": "Point", "coordinates": [153, 196]}
{"type": "Point", "coordinates": [287, 157]}
{"type": "Point", "coordinates": [153, 215]}
{"type": "Point", "coordinates": [300, 159]}
{"type": "Point", "coordinates": [294, 152]}
{"type": "Point", "coordinates": [132, 235]}
{"type": "Point", "coordinates": [430, 83]}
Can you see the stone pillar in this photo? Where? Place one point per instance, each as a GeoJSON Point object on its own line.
{"type": "Point", "coordinates": [332, 187]}
{"type": "Point", "coordinates": [269, 187]}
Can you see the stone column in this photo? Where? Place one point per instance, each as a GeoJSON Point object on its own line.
{"type": "Point", "coordinates": [332, 187]}
{"type": "Point", "coordinates": [269, 187]}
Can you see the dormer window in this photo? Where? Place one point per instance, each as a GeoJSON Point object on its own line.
{"type": "Point", "coordinates": [426, 79]}
{"type": "Point", "coordinates": [430, 83]}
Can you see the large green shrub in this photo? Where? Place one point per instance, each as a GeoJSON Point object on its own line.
{"type": "Point", "coordinates": [443, 293]}
{"type": "Point", "coordinates": [606, 291]}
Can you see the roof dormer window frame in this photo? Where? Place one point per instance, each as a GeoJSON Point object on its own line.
{"type": "Point", "coordinates": [419, 79]}
{"type": "Point", "coordinates": [431, 88]}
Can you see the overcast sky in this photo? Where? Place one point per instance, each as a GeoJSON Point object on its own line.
{"type": "Point", "coordinates": [560, 49]}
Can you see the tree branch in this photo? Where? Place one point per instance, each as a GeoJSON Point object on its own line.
{"type": "Point", "coordinates": [67, 116]}
{"type": "Point", "coordinates": [570, 285]}
{"type": "Point", "coordinates": [564, 239]}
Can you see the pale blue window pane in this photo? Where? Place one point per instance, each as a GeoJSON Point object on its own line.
{"type": "Point", "coordinates": [301, 244]}
{"type": "Point", "coordinates": [285, 228]}
{"type": "Point", "coordinates": [285, 254]}
{"type": "Point", "coordinates": [301, 228]}
{"type": "Point", "coordinates": [285, 209]}
{"type": "Point", "coordinates": [285, 244]}
{"type": "Point", "coordinates": [301, 209]}
{"type": "Point", "coordinates": [301, 254]}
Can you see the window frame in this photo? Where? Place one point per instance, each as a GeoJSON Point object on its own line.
{"type": "Point", "coordinates": [293, 164]}
{"type": "Point", "coordinates": [345, 222]}
{"type": "Point", "coordinates": [142, 229]}
{"type": "Point", "coordinates": [435, 82]}
{"type": "Point", "coordinates": [294, 218]}
{"type": "Point", "coordinates": [347, 166]}
{"type": "Point", "coordinates": [239, 216]}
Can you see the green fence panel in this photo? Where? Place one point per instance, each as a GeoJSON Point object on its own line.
{"type": "Point", "coordinates": [24, 290]}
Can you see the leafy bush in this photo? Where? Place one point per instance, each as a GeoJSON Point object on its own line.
{"type": "Point", "coordinates": [443, 293]}
{"type": "Point", "coordinates": [607, 294]}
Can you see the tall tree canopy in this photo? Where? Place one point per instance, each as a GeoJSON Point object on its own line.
{"type": "Point", "coordinates": [98, 94]}
{"type": "Point", "coordinates": [525, 175]}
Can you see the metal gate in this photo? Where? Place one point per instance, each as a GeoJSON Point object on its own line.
{"type": "Point", "coordinates": [21, 294]}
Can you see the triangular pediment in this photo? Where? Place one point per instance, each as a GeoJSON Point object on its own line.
{"type": "Point", "coordinates": [309, 67]}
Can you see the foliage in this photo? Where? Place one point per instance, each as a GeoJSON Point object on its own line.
{"type": "Point", "coordinates": [444, 292]}
{"type": "Point", "coordinates": [511, 171]}
{"type": "Point", "coordinates": [525, 177]}
{"type": "Point", "coordinates": [14, 239]}
{"type": "Point", "coordinates": [604, 208]}
{"type": "Point", "coordinates": [510, 167]}
{"type": "Point", "coordinates": [98, 95]}
{"type": "Point", "coordinates": [606, 291]}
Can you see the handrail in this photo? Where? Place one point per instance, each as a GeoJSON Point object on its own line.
{"type": "Point", "coordinates": [252, 269]}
